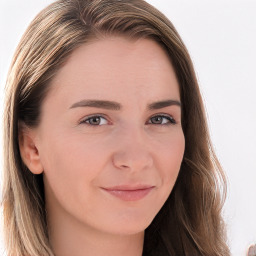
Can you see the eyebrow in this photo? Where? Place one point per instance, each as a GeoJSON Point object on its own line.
{"type": "Point", "coordinates": [112, 105]}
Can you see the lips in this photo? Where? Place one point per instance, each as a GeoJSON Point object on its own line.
{"type": "Point", "coordinates": [129, 193]}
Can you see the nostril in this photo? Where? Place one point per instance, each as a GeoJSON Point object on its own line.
{"type": "Point", "coordinates": [124, 166]}
{"type": "Point", "coordinates": [132, 160]}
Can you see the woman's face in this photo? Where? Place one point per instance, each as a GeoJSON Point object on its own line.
{"type": "Point", "coordinates": [110, 139]}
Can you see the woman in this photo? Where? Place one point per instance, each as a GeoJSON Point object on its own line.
{"type": "Point", "coordinates": [106, 145]}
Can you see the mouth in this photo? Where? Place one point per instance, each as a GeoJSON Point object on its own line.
{"type": "Point", "coordinates": [129, 193]}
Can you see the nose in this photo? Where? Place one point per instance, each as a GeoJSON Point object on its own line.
{"type": "Point", "coordinates": [133, 152]}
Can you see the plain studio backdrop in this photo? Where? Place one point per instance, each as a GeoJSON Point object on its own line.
{"type": "Point", "coordinates": [221, 38]}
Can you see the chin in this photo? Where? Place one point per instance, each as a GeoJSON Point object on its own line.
{"type": "Point", "coordinates": [129, 229]}
{"type": "Point", "coordinates": [131, 224]}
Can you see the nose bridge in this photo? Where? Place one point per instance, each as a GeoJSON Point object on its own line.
{"type": "Point", "coordinates": [133, 150]}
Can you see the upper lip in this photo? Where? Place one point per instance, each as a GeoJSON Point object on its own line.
{"type": "Point", "coordinates": [128, 187]}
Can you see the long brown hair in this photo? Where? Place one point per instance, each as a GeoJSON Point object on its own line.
{"type": "Point", "coordinates": [190, 221]}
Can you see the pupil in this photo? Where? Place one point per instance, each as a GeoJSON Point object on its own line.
{"type": "Point", "coordinates": [157, 119]}
{"type": "Point", "coordinates": [95, 120]}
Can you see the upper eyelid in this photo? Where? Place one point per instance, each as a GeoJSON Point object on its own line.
{"type": "Point", "coordinates": [82, 120]}
{"type": "Point", "coordinates": [163, 115]}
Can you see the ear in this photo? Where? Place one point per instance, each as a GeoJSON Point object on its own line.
{"type": "Point", "coordinates": [28, 150]}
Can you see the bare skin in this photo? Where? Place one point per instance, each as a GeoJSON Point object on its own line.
{"type": "Point", "coordinates": [108, 167]}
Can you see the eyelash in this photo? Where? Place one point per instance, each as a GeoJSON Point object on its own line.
{"type": "Point", "coordinates": [171, 120]}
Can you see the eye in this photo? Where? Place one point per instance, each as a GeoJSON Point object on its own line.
{"type": "Point", "coordinates": [94, 120]}
{"type": "Point", "coordinates": [162, 120]}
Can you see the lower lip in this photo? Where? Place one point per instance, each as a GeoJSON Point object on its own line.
{"type": "Point", "coordinates": [130, 195]}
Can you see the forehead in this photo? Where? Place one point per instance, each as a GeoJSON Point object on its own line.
{"type": "Point", "coordinates": [117, 67]}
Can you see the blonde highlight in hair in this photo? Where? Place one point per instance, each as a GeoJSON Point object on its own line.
{"type": "Point", "coordinates": [190, 222]}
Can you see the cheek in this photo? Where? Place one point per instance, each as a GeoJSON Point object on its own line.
{"type": "Point", "coordinates": [171, 155]}
{"type": "Point", "coordinates": [72, 168]}
{"type": "Point", "coordinates": [70, 163]}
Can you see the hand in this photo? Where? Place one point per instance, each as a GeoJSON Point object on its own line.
{"type": "Point", "coordinates": [252, 250]}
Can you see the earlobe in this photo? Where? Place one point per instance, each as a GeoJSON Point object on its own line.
{"type": "Point", "coordinates": [29, 152]}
